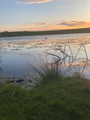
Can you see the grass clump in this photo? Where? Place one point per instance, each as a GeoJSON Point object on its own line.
{"type": "Point", "coordinates": [54, 99]}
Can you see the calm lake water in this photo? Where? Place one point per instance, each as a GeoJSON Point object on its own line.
{"type": "Point", "coordinates": [17, 52]}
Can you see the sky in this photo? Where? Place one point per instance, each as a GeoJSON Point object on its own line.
{"type": "Point", "coordinates": [43, 15]}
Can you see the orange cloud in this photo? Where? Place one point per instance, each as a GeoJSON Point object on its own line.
{"type": "Point", "coordinates": [40, 24]}
{"type": "Point", "coordinates": [17, 2]}
{"type": "Point", "coordinates": [75, 23]}
{"type": "Point", "coordinates": [33, 1]}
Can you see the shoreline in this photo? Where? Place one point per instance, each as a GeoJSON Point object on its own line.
{"type": "Point", "coordinates": [29, 80]}
{"type": "Point", "coordinates": [36, 33]}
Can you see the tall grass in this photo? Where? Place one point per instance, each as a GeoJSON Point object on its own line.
{"type": "Point", "coordinates": [63, 64]}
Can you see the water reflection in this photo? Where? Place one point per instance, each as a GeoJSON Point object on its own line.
{"type": "Point", "coordinates": [18, 51]}
{"type": "Point", "coordinates": [0, 61]}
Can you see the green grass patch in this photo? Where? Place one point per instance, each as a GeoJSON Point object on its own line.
{"type": "Point", "coordinates": [53, 99]}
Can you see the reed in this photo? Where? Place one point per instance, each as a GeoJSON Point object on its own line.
{"type": "Point", "coordinates": [63, 64]}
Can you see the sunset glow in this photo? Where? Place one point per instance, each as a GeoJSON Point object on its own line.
{"type": "Point", "coordinates": [42, 15]}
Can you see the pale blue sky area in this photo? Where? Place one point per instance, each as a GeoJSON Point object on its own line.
{"type": "Point", "coordinates": [54, 14]}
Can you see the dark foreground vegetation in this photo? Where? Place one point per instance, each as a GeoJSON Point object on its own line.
{"type": "Point", "coordinates": [31, 33]}
{"type": "Point", "coordinates": [54, 99]}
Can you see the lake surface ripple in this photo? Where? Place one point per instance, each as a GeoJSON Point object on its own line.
{"type": "Point", "coordinates": [17, 52]}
